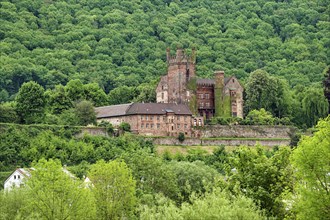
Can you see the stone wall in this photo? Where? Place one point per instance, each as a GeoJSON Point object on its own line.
{"type": "Point", "coordinates": [95, 131]}
{"type": "Point", "coordinates": [244, 131]}
{"type": "Point", "coordinates": [218, 142]}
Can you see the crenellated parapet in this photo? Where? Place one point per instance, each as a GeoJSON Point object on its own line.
{"type": "Point", "coordinates": [180, 57]}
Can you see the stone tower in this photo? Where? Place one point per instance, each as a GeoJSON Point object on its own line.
{"type": "Point", "coordinates": [181, 68]}
{"type": "Point", "coordinates": [219, 77]}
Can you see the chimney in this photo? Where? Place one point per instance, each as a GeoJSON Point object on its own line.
{"type": "Point", "coordinates": [219, 79]}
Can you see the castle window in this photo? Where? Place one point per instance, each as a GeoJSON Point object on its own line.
{"type": "Point", "coordinates": [141, 117]}
{"type": "Point", "coordinates": [147, 125]}
{"type": "Point", "coordinates": [201, 104]}
{"type": "Point", "coordinates": [142, 125]}
{"type": "Point", "coordinates": [162, 88]}
{"type": "Point", "coordinates": [199, 122]}
{"type": "Point", "coordinates": [185, 126]}
{"type": "Point", "coordinates": [158, 118]}
{"type": "Point", "coordinates": [185, 118]}
{"type": "Point", "coordinates": [151, 117]}
{"type": "Point", "coordinates": [178, 126]}
{"type": "Point", "coordinates": [151, 125]}
{"type": "Point", "coordinates": [233, 80]}
{"type": "Point", "coordinates": [195, 122]}
{"type": "Point", "coordinates": [14, 177]}
{"type": "Point", "coordinates": [164, 118]}
{"type": "Point", "coordinates": [207, 96]}
{"type": "Point", "coordinates": [207, 105]}
{"type": "Point", "coordinates": [201, 96]}
{"type": "Point", "coordinates": [178, 118]}
{"type": "Point", "coordinates": [162, 95]}
{"type": "Point", "coordinates": [146, 117]}
{"type": "Point", "coordinates": [18, 176]}
{"type": "Point", "coordinates": [158, 125]}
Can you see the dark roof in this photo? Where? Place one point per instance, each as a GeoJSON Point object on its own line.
{"type": "Point", "coordinates": [158, 109]}
{"type": "Point", "coordinates": [141, 108]}
{"type": "Point", "coordinates": [112, 110]}
{"type": "Point", "coordinates": [210, 81]}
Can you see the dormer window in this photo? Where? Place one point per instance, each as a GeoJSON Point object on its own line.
{"type": "Point", "coordinates": [14, 177]}
{"type": "Point", "coordinates": [233, 80]}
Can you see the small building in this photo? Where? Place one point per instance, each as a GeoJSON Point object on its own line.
{"type": "Point", "coordinates": [20, 175]}
{"type": "Point", "coordinates": [151, 119]}
{"type": "Point", "coordinates": [17, 178]}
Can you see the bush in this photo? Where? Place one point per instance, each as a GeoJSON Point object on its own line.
{"type": "Point", "coordinates": [181, 137]}
{"type": "Point", "coordinates": [124, 126]}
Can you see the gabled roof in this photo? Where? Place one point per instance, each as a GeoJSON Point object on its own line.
{"type": "Point", "coordinates": [26, 172]}
{"type": "Point", "coordinates": [211, 81]}
{"type": "Point", "coordinates": [112, 110]}
{"type": "Point", "coordinates": [142, 108]}
{"type": "Point", "coordinates": [158, 109]}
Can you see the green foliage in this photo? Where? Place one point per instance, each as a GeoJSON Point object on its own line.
{"type": "Point", "coordinates": [218, 102]}
{"type": "Point", "coordinates": [311, 162]}
{"type": "Point", "coordinates": [8, 114]}
{"type": "Point", "coordinates": [113, 188]}
{"type": "Point", "coordinates": [263, 179]}
{"type": "Point", "coordinates": [195, 177]}
{"type": "Point", "coordinates": [85, 113]}
{"type": "Point", "coordinates": [226, 106]}
{"type": "Point", "coordinates": [54, 194]}
{"type": "Point", "coordinates": [181, 137]}
{"type": "Point", "coordinates": [315, 106]}
{"type": "Point", "coordinates": [30, 102]}
{"type": "Point", "coordinates": [261, 117]}
{"type": "Point", "coordinates": [124, 126]}
{"type": "Point", "coordinates": [214, 205]}
{"type": "Point", "coordinates": [152, 175]}
{"type": "Point", "coordinates": [108, 126]}
{"type": "Point", "coordinates": [326, 84]}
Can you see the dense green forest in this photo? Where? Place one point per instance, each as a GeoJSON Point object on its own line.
{"type": "Point", "coordinates": [119, 48]}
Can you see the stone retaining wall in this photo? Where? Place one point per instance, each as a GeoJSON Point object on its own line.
{"type": "Point", "coordinates": [218, 142]}
{"type": "Point", "coordinates": [244, 131]}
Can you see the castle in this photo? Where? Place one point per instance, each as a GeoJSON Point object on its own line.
{"type": "Point", "coordinates": [220, 97]}
{"type": "Point", "coordinates": [183, 101]}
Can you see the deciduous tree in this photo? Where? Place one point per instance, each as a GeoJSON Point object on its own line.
{"type": "Point", "coordinates": [30, 102]}
{"type": "Point", "coordinates": [114, 189]}
{"type": "Point", "coordinates": [312, 170]}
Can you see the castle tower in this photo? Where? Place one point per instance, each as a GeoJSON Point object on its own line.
{"type": "Point", "coordinates": [218, 93]}
{"type": "Point", "coordinates": [181, 68]}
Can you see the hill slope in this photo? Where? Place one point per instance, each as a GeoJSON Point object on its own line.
{"type": "Point", "coordinates": [116, 43]}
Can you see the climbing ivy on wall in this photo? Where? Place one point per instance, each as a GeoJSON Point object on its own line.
{"type": "Point", "coordinates": [192, 87]}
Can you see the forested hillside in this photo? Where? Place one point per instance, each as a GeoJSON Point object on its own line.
{"type": "Point", "coordinates": [122, 43]}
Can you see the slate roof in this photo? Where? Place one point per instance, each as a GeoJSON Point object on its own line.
{"type": "Point", "coordinates": [112, 110]}
{"type": "Point", "coordinates": [210, 81]}
{"type": "Point", "coordinates": [158, 109]}
{"type": "Point", "coordinates": [141, 109]}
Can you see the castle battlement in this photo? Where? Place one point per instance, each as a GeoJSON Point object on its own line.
{"type": "Point", "coordinates": [180, 57]}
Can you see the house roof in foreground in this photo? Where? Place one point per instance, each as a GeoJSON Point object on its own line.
{"type": "Point", "coordinates": [142, 109]}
